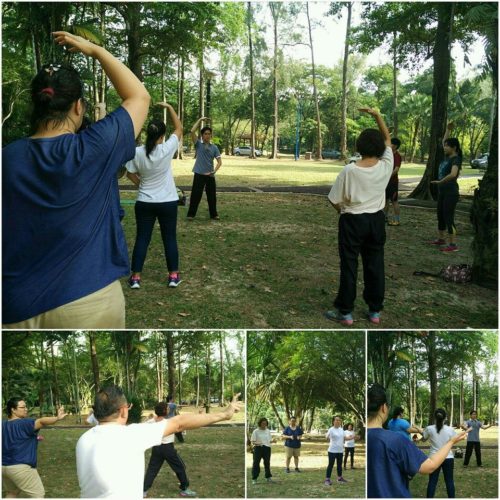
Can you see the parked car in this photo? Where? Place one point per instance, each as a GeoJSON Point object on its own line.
{"type": "Point", "coordinates": [330, 154]}
{"type": "Point", "coordinates": [245, 151]}
{"type": "Point", "coordinates": [481, 162]}
{"type": "Point", "coordinates": [354, 158]}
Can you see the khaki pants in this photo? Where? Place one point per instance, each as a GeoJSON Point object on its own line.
{"type": "Point", "coordinates": [22, 481]}
{"type": "Point", "coordinates": [102, 309]}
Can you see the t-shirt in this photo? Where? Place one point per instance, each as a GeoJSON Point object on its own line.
{"type": "Point", "coordinates": [19, 442]}
{"type": "Point", "coordinates": [397, 163]}
{"type": "Point", "coordinates": [166, 439]}
{"type": "Point", "coordinates": [473, 435]}
{"type": "Point", "coordinates": [391, 461]}
{"type": "Point", "coordinates": [157, 181]}
{"type": "Point", "coordinates": [62, 236]}
{"type": "Point", "coordinates": [110, 459]}
{"type": "Point", "coordinates": [444, 169]}
{"type": "Point", "coordinates": [293, 443]}
{"type": "Point", "coordinates": [172, 410]}
{"type": "Point", "coordinates": [399, 425]}
{"type": "Point", "coordinates": [362, 189]}
{"type": "Point", "coordinates": [438, 439]}
{"type": "Point", "coordinates": [261, 437]}
{"type": "Point", "coordinates": [336, 437]}
{"type": "Point", "coordinates": [205, 154]}
{"type": "Point", "coordinates": [351, 443]}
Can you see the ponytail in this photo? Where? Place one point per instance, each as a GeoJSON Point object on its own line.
{"type": "Point", "coordinates": [156, 129]}
{"type": "Point", "coordinates": [453, 142]}
{"type": "Point", "coordinates": [440, 416]}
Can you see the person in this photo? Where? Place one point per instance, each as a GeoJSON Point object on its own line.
{"type": "Point", "coordinates": [166, 452]}
{"type": "Point", "coordinates": [204, 172]}
{"type": "Point", "coordinates": [19, 450]}
{"type": "Point", "coordinates": [151, 171]}
{"type": "Point", "coordinates": [110, 456]}
{"type": "Point", "coordinates": [293, 437]}
{"type": "Point", "coordinates": [64, 250]}
{"type": "Point", "coordinates": [398, 424]}
{"type": "Point", "coordinates": [473, 442]}
{"type": "Point", "coordinates": [391, 191]}
{"type": "Point", "coordinates": [91, 420]}
{"type": "Point", "coordinates": [438, 434]}
{"type": "Point", "coordinates": [349, 444]}
{"type": "Point", "coordinates": [261, 442]}
{"type": "Point", "coordinates": [392, 460]}
{"type": "Point", "coordinates": [172, 411]}
{"type": "Point", "coordinates": [359, 196]}
{"type": "Point", "coordinates": [337, 439]}
{"type": "Point", "coordinates": [448, 192]}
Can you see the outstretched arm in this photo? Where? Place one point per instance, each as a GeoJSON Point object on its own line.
{"type": "Point", "coordinates": [44, 421]}
{"type": "Point", "coordinates": [175, 119]}
{"type": "Point", "coordinates": [381, 124]}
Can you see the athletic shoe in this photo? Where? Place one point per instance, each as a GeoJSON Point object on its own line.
{"type": "Point", "coordinates": [336, 315]}
{"type": "Point", "coordinates": [438, 242]}
{"type": "Point", "coordinates": [394, 223]}
{"type": "Point", "coordinates": [297, 469]}
{"type": "Point", "coordinates": [174, 280]}
{"type": "Point", "coordinates": [341, 480]}
{"type": "Point", "coordinates": [187, 493]}
{"type": "Point", "coordinates": [189, 217]}
{"type": "Point", "coordinates": [215, 218]}
{"type": "Point", "coordinates": [449, 248]}
{"type": "Point", "coordinates": [269, 480]}
{"type": "Point", "coordinates": [374, 317]}
{"type": "Point", "coordinates": [134, 282]}
{"type": "Point", "coordinates": [287, 471]}
{"type": "Point", "coordinates": [145, 494]}
{"type": "Point", "coordinates": [327, 482]}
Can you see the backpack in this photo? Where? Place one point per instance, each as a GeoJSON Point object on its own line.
{"type": "Point", "coordinates": [457, 273]}
{"type": "Point", "coordinates": [182, 197]}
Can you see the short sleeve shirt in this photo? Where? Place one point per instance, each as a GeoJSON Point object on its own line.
{"type": "Point", "coordinates": [62, 236]}
{"type": "Point", "coordinates": [172, 410]}
{"type": "Point", "coordinates": [438, 439]}
{"type": "Point", "coordinates": [205, 155]}
{"type": "Point", "coordinates": [399, 425]}
{"type": "Point", "coordinates": [397, 163]}
{"type": "Point", "coordinates": [361, 190]}
{"type": "Point", "coordinates": [349, 443]}
{"type": "Point", "coordinates": [110, 459]}
{"type": "Point", "coordinates": [391, 462]}
{"type": "Point", "coordinates": [293, 433]}
{"type": "Point", "coordinates": [19, 442]}
{"type": "Point", "coordinates": [261, 436]}
{"type": "Point", "coordinates": [336, 437]}
{"type": "Point", "coordinates": [444, 169]}
{"type": "Point", "coordinates": [473, 435]}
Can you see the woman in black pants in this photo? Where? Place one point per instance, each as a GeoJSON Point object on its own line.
{"type": "Point", "coordinates": [349, 445]}
{"type": "Point", "coordinates": [448, 192]}
{"type": "Point", "coordinates": [151, 171]}
{"type": "Point", "coordinates": [261, 441]}
{"type": "Point", "coordinates": [166, 452]}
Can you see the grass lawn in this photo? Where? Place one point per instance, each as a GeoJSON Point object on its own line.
{"type": "Point", "coordinates": [272, 262]}
{"type": "Point", "coordinates": [308, 483]}
{"type": "Point", "coordinates": [214, 459]}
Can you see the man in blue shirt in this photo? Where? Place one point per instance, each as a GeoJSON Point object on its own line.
{"type": "Point", "coordinates": [204, 172]}
{"type": "Point", "coordinates": [473, 442]}
{"type": "Point", "coordinates": [19, 448]}
{"type": "Point", "coordinates": [292, 435]}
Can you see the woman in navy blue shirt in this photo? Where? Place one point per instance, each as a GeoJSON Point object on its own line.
{"type": "Point", "coordinates": [393, 459]}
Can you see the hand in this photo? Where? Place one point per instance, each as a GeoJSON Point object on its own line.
{"type": "Point", "coordinates": [459, 437]}
{"type": "Point", "coordinates": [233, 407]}
{"type": "Point", "coordinates": [61, 413]}
{"type": "Point", "coordinates": [370, 111]}
{"type": "Point", "coordinates": [76, 43]}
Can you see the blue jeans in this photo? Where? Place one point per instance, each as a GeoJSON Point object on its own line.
{"type": "Point", "coordinates": [331, 462]}
{"type": "Point", "coordinates": [447, 467]}
{"type": "Point", "coordinates": [145, 217]}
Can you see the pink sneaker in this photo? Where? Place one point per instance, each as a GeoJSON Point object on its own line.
{"type": "Point", "coordinates": [438, 242]}
{"type": "Point", "coordinates": [449, 248]}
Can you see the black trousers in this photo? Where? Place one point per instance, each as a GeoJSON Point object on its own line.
{"type": "Point", "coordinates": [476, 446]}
{"type": "Point", "coordinates": [261, 453]}
{"type": "Point", "coordinates": [201, 182]}
{"type": "Point", "coordinates": [332, 457]}
{"type": "Point", "coordinates": [348, 450]}
{"type": "Point", "coordinates": [446, 204]}
{"type": "Point", "coordinates": [361, 234]}
{"type": "Point", "coordinates": [165, 453]}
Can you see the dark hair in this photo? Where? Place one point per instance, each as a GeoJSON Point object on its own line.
{"type": "Point", "coordinates": [396, 412]}
{"type": "Point", "coordinates": [440, 416]}
{"type": "Point", "coordinates": [204, 129]}
{"type": "Point", "coordinates": [396, 142]}
{"type": "Point", "coordinates": [108, 401]}
{"type": "Point", "coordinates": [161, 409]}
{"type": "Point", "coordinates": [370, 143]}
{"type": "Point", "coordinates": [453, 142]}
{"type": "Point", "coordinates": [156, 129]}
{"type": "Point", "coordinates": [473, 411]}
{"type": "Point", "coordinates": [169, 398]}
{"type": "Point", "coordinates": [376, 398]}
{"type": "Point", "coordinates": [336, 416]}
{"type": "Point", "coordinates": [263, 419]}
{"type": "Point", "coordinates": [349, 424]}
{"type": "Point", "coordinates": [12, 405]}
{"type": "Point", "coordinates": [53, 90]}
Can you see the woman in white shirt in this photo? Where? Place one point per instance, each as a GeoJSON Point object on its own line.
{"type": "Point", "coordinates": [349, 436]}
{"type": "Point", "coordinates": [261, 442]}
{"type": "Point", "coordinates": [151, 171]}
{"type": "Point", "coordinates": [438, 435]}
{"type": "Point", "coordinates": [336, 449]}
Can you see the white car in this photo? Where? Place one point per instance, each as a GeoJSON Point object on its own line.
{"type": "Point", "coordinates": [354, 158]}
{"type": "Point", "coordinates": [245, 151]}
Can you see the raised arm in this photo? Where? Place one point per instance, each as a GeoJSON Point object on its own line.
{"type": "Point", "coordinates": [188, 421]}
{"type": "Point", "coordinates": [194, 129]}
{"type": "Point", "coordinates": [432, 463]}
{"type": "Point", "coordinates": [173, 116]}
{"type": "Point", "coordinates": [381, 124]}
{"type": "Point", "coordinates": [44, 421]}
{"type": "Point", "coordinates": [135, 97]}
{"type": "Point", "coordinates": [449, 128]}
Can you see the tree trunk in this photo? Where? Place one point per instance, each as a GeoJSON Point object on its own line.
{"type": "Point", "coordinates": [170, 344]}
{"type": "Point", "coordinates": [343, 102]}
{"type": "Point", "coordinates": [207, 377]}
{"type": "Point", "coordinates": [252, 84]}
{"type": "Point", "coordinates": [132, 16]}
{"type": "Point", "coordinates": [441, 78]}
{"type": "Point", "coordinates": [197, 382]}
{"type": "Point", "coordinates": [94, 361]}
{"type": "Point", "coordinates": [201, 87]}
{"type": "Point", "coordinates": [395, 121]}
{"type": "Point", "coordinates": [180, 104]}
{"type": "Point", "coordinates": [221, 363]}
{"type": "Point", "coordinates": [179, 376]}
{"type": "Point", "coordinates": [432, 371]}
{"type": "Point", "coordinates": [462, 395]}
{"type": "Point", "coordinates": [275, 14]}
